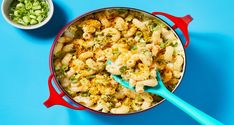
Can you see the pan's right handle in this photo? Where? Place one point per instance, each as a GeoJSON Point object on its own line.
{"type": "Point", "coordinates": [179, 22]}
{"type": "Point", "coordinates": [56, 98]}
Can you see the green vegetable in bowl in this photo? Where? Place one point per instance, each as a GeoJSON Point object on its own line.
{"type": "Point", "coordinates": [28, 12]}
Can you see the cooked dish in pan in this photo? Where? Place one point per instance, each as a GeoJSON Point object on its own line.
{"type": "Point", "coordinates": [137, 44]}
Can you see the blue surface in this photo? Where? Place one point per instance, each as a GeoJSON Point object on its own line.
{"type": "Point", "coordinates": [208, 82]}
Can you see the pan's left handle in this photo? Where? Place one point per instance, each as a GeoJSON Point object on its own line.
{"type": "Point", "coordinates": [57, 98]}
{"type": "Point", "coordinates": [179, 22]}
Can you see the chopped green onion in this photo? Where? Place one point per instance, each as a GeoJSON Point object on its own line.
{"type": "Point", "coordinates": [142, 40]}
{"type": "Point", "coordinates": [63, 68]}
{"type": "Point", "coordinates": [88, 69]}
{"type": "Point", "coordinates": [174, 53]}
{"type": "Point", "coordinates": [122, 10]}
{"type": "Point", "coordinates": [162, 45]}
{"type": "Point", "coordinates": [84, 94]}
{"type": "Point", "coordinates": [138, 98]}
{"type": "Point", "coordinates": [73, 79]}
{"type": "Point", "coordinates": [123, 69]}
{"type": "Point", "coordinates": [134, 47]}
{"type": "Point", "coordinates": [155, 28]}
{"type": "Point", "coordinates": [116, 52]}
{"type": "Point", "coordinates": [90, 77]}
{"type": "Point", "coordinates": [170, 43]}
{"type": "Point", "coordinates": [138, 33]}
{"type": "Point", "coordinates": [175, 44]}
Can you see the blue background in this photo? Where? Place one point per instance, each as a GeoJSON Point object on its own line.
{"type": "Point", "coordinates": [208, 82]}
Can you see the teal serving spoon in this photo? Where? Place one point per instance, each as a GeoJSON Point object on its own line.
{"type": "Point", "coordinates": [162, 91]}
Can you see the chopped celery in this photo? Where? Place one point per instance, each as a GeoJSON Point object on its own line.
{"type": "Point", "coordinates": [17, 13]}
{"type": "Point", "coordinates": [26, 19]}
{"type": "Point", "coordinates": [36, 7]}
{"type": "Point", "coordinates": [20, 5]}
{"type": "Point", "coordinates": [32, 16]}
{"type": "Point", "coordinates": [20, 21]}
{"type": "Point", "coordinates": [28, 5]}
{"type": "Point", "coordinates": [28, 12]}
{"type": "Point", "coordinates": [33, 21]}
{"type": "Point", "coordinates": [38, 12]}
{"type": "Point", "coordinates": [39, 18]}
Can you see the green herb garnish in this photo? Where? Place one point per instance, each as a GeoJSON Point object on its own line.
{"type": "Point", "coordinates": [134, 48]}
{"type": "Point", "coordinates": [122, 10]}
{"type": "Point", "coordinates": [174, 53]}
{"type": "Point", "coordinates": [116, 52]}
{"type": "Point", "coordinates": [84, 94]}
{"type": "Point", "coordinates": [175, 44]}
{"type": "Point", "coordinates": [90, 77]}
{"type": "Point", "coordinates": [73, 79]}
{"type": "Point", "coordinates": [63, 68]}
{"type": "Point", "coordinates": [123, 69]}
{"type": "Point", "coordinates": [138, 33]}
{"type": "Point", "coordinates": [88, 69]}
{"type": "Point", "coordinates": [162, 45]}
{"type": "Point", "coordinates": [142, 40]}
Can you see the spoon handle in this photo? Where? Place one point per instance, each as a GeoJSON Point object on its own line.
{"type": "Point", "coordinates": [195, 113]}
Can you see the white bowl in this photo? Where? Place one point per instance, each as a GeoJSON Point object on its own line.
{"type": "Point", "coordinates": [6, 9]}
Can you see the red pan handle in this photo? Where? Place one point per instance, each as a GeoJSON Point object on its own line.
{"type": "Point", "coordinates": [56, 98]}
{"type": "Point", "coordinates": [179, 22]}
